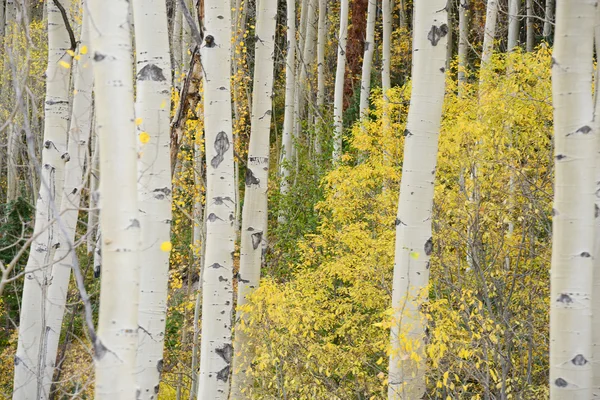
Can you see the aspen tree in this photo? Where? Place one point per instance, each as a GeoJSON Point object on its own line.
{"type": "Point", "coordinates": [77, 155]}
{"type": "Point", "coordinates": [287, 151]}
{"type": "Point", "coordinates": [152, 111]}
{"type": "Point", "coordinates": [573, 211]}
{"type": "Point", "coordinates": [217, 288]}
{"type": "Point", "coordinates": [28, 360]}
{"type": "Point", "coordinates": [321, 34]}
{"type": "Point", "coordinates": [254, 214]}
{"type": "Point", "coordinates": [117, 337]}
{"type": "Point", "coordinates": [489, 31]}
{"type": "Point", "coordinates": [596, 255]}
{"type": "Point", "coordinates": [306, 59]}
{"type": "Point", "coordinates": [365, 83]}
{"type": "Point", "coordinates": [463, 40]}
{"type": "Point", "coordinates": [338, 98]}
{"type": "Point", "coordinates": [529, 25]}
{"type": "Point", "coordinates": [548, 18]}
{"type": "Point", "coordinates": [513, 23]}
{"type": "Point", "coordinates": [413, 223]}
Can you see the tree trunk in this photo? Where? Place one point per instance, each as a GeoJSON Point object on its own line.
{"type": "Point", "coordinates": [513, 23]}
{"type": "Point", "coordinates": [176, 45]}
{"type": "Point", "coordinates": [596, 255]}
{"type": "Point", "coordinates": [116, 344]}
{"type": "Point", "coordinates": [573, 212]}
{"type": "Point", "coordinates": [530, 33]}
{"type": "Point", "coordinates": [254, 214]}
{"type": "Point", "coordinates": [28, 360]}
{"type": "Point", "coordinates": [217, 293]}
{"type": "Point", "coordinates": [365, 85]}
{"type": "Point", "coordinates": [152, 108]}
{"type": "Point", "coordinates": [489, 33]}
{"type": "Point", "coordinates": [287, 151]}
{"type": "Point", "coordinates": [338, 101]}
{"type": "Point", "coordinates": [549, 18]}
{"type": "Point", "coordinates": [463, 40]}
{"type": "Point", "coordinates": [321, 37]}
{"type": "Point", "coordinates": [413, 224]}
{"type": "Point", "coordinates": [77, 156]}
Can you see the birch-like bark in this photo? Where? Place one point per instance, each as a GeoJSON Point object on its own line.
{"type": "Point", "coordinates": [28, 380]}
{"type": "Point", "coordinates": [386, 10]}
{"type": "Point", "coordinates": [571, 357]}
{"type": "Point", "coordinates": [513, 23]}
{"type": "Point", "coordinates": [463, 40]}
{"type": "Point", "coordinates": [93, 213]}
{"type": "Point", "coordinates": [321, 35]}
{"type": "Point", "coordinates": [306, 61]}
{"type": "Point", "coordinates": [338, 97]}
{"type": "Point", "coordinates": [413, 224]}
{"type": "Point", "coordinates": [116, 344]}
{"type": "Point", "coordinates": [287, 151]}
{"type": "Point", "coordinates": [217, 293]}
{"type": "Point", "coordinates": [365, 82]}
{"type": "Point", "coordinates": [152, 109]}
{"type": "Point", "coordinates": [489, 32]}
{"type": "Point", "coordinates": [548, 19]}
{"type": "Point", "coordinates": [176, 44]}
{"type": "Point", "coordinates": [530, 33]}
{"type": "Point", "coordinates": [596, 255]}
{"type": "Point", "coordinates": [254, 214]}
{"type": "Point", "coordinates": [77, 155]}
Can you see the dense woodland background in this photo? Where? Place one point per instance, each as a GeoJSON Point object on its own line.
{"type": "Point", "coordinates": [319, 323]}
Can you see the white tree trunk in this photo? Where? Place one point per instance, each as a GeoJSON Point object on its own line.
{"type": "Point", "coordinates": [530, 33]}
{"type": "Point", "coordinates": [77, 155]}
{"type": "Point", "coordinates": [306, 60]}
{"type": "Point", "coordinates": [28, 360]}
{"type": "Point", "coordinates": [338, 97]}
{"type": "Point", "coordinates": [463, 40]}
{"type": "Point", "coordinates": [365, 82]}
{"type": "Point", "coordinates": [287, 150]}
{"type": "Point", "coordinates": [548, 19]}
{"type": "Point", "coordinates": [413, 224]}
{"type": "Point", "coordinates": [321, 37]}
{"type": "Point", "coordinates": [217, 286]}
{"type": "Point", "coordinates": [573, 212]}
{"type": "Point", "coordinates": [117, 340]}
{"type": "Point", "coordinates": [386, 84]}
{"type": "Point", "coordinates": [176, 44]}
{"type": "Point", "coordinates": [596, 255]}
{"type": "Point", "coordinates": [489, 32]}
{"type": "Point", "coordinates": [93, 214]}
{"type": "Point", "coordinates": [513, 23]}
{"type": "Point", "coordinates": [254, 214]}
{"type": "Point", "coordinates": [152, 109]}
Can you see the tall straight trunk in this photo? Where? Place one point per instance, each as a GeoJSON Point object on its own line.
{"type": "Point", "coordinates": [402, 14]}
{"type": "Point", "coordinates": [338, 97]}
{"type": "Point", "coordinates": [530, 33]}
{"type": "Point", "coordinates": [287, 151]}
{"type": "Point", "coordinates": [365, 84]}
{"type": "Point", "coordinates": [463, 40]}
{"type": "Point", "coordinates": [386, 8]}
{"type": "Point", "coordinates": [548, 19]}
{"type": "Point", "coordinates": [254, 214]}
{"type": "Point", "coordinates": [321, 35]}
{"type": "Point", "coordinates": [117, 338]}
{"type": "Point", "coordinates": [176, 44]}
{"type": "Point", "coordinates": [77, 155]}
{"type": "Point", "coordinates": [93, 213]}
{"type": "Point", "coordinates": [306, 60]}
{"type": "Point", "coordinates": [152, 109]}
{"type": "Point", "coordinates": [573, 220]}
{"type": "Point", "coordinates": [13, 18]}
{"type": "Point", "coordinates": [489, 32]}
{"type": "Point", "coordinates": [596, 255]}
{"type": "Point", "coordinates": [513, 23]}
{"type": "Point", "coordinates": [413, 224]}
{"type": "Point", "coordinates": [28, 360]}
{"type": "Point", "coordinates": [217, 293]}
{"type": "Point", "coordinates": [2, 8]}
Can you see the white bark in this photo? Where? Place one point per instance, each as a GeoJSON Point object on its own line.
{"type": "Point", "coordinates": [254, 214]}
{"type": "Point", "coordinates": [93, 214]}
{"type": "Point", "coordinates": [152, 109]}
{"type": "Point", "coordinates": [489, 32]}
{"type": "Point", "coordinates": [217, 288]}
{"type": "Point", "coordinates": [28, 360]}
{"type": "Point", "coordinates": [307, 57]}
{"type": "Point", "coordinates": [365, 82]}
{"type": "Point", "coordinates": [287, 151]}
{"type": "Point", "coordinates": [176, 44]}
{"type": "Point", "coordinates": [77, 155]}
{"type": "Point", "coordinates": [338, 97]}
{"type": "Point", "coordinates": [548, 19]}
{"type": "Point", "coordinates": [530, 33]}
{"type": "Point", "coordinates": [321, 37]}
{"type": "Point", "coordinates": [413, 224]}
{"type": "Point", "coordinates": [116, 343]}
{"type": "Point", "coordinates": [596, 255]}
{"type": "Point", "coordinates": [463, 40]}
{"type": "Point", "coordinates": [386, 85]}
{"type": "Point", "coordinates": [513, 23]}
{"type": "Point", "coordinates": [573, 220]}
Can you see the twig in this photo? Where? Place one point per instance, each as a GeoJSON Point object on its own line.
{"type": "Point", "coordinates": [65, 17]}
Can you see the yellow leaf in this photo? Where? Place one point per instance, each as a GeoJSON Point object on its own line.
{"type": "Point", "coordinates": [414, 255]}
{"type": "Point", "coordinates": [138, 121]}
{"type": "Point", "coordinates": [166, 246]}
{"type": "Point", "coordinates": [144, 137]}
{"type": "Point", "coordinates": [83, 49]}
{"type": "Point", "coordinates": [71, 53]}
{"type": "Point", "coordinates": [64, 64]}
{"type": "Point", "coordinates": [380, 361]}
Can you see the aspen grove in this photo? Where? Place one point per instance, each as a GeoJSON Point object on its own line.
{"type": "Point", "coordinates": [299, 199]}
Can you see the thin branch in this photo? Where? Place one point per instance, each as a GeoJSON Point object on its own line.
{"type": "Point", "coordinates": [65, 17]}
{"type": "Point", "coordinates": [198, 37]}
